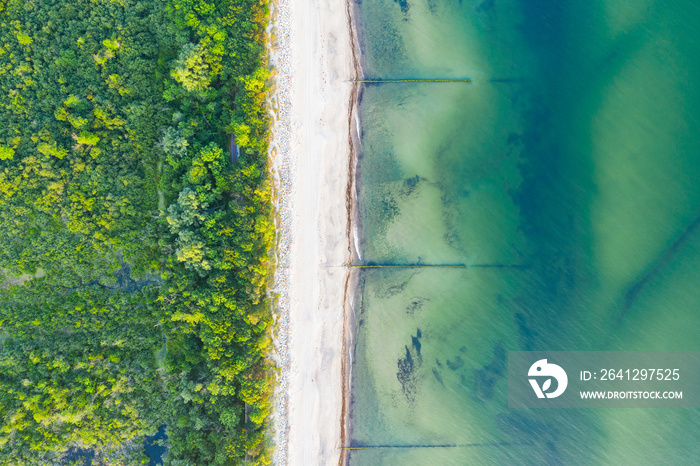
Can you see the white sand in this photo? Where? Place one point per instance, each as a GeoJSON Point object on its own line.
{"type": "Point", "coordinates": [312, 53]}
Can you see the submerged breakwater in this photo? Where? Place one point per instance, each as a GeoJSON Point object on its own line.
{"type": "Point", "coordinates": [560, 188]}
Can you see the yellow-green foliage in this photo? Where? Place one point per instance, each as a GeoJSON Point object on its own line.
{"type": "Point", "coordinates": [6, 153]}
{"type": "Point", "coordinates": [191, 69]}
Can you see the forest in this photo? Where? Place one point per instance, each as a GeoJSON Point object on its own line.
{"type": "Point", "coordinates": [134, 249]}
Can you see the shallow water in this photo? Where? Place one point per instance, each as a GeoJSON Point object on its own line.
{"type": "Point", "coordinates": [564, 177]}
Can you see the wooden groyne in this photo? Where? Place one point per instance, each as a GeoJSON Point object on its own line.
{"type": "Point", "coordinates": [407, 266]}
{"type": "Point", "coordinates": [463, 445]}
{"type": "Point", "coordinates": [461, 80]}
{"type": "Point", "coordinates": [439, 266]}
{"type": "Point", "coordinates": [385, 81]}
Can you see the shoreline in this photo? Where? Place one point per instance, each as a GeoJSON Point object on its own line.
{"type": "Point", "coordinates": [352, 227]}
{"type": "Point", "coordinates": [312, 163]}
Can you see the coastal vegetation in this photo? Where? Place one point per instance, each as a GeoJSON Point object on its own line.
{"type": "Point", "coordinates": [134, 251]}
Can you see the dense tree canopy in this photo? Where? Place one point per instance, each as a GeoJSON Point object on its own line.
{"type": "Point", "coordinates": [134, 252]}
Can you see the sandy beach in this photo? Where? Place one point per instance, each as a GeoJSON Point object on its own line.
{"type": "Point", "coordinates": [311, 152]}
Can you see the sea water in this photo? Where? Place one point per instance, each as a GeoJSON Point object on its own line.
{"type": "Point", "coordinates": [552, 203]}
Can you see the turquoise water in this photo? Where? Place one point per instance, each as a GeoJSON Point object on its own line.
{"type": "Point", "coordinates": [567, 173]}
